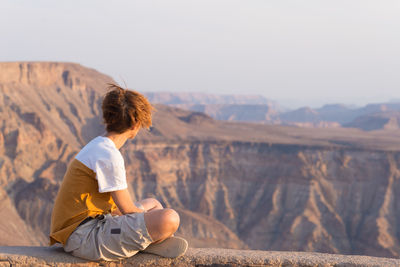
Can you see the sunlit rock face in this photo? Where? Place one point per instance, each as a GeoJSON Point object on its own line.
{"type": "Point", "coordinates": [235, 185]}
{"type": "Point", "coordinates": [280, 197]}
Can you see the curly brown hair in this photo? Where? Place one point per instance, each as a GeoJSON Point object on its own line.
{"type": "Point", "coordinates": [122, 109]}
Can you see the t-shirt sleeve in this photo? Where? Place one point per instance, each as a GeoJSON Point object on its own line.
{"type": "Point", "coordinates": [111, 175]}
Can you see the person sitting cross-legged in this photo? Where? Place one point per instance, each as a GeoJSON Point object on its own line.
{"type": "Point", "coordinates": [94, 216]}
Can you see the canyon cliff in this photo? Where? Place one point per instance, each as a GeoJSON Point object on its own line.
{"type": "Point", "coordinates": [235, 185]}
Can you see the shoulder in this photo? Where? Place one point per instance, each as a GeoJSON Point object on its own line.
{"type": "Point", "coordinates": [111, 155]}
{"type": "Point", "coordinates": [100, 149]}
{"type": "Point", "coordinates": [108, 151]}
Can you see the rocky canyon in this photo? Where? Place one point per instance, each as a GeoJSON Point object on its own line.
{"type": "Point", "coordinates": [235, 185]}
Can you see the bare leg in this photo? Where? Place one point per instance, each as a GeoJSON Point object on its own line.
{"type": "Point", "coordinates": [150, 204]}
{"type": "Point", "coordinates": [161, 223]}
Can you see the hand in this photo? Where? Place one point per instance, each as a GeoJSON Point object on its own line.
{"type": "Point", "coordinates": [116, 212]}
{"type": "Point", "coordinates": [124, 202]}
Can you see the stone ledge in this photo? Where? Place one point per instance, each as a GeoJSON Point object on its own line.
{"type": "Point", "coordinates": [196, 257]}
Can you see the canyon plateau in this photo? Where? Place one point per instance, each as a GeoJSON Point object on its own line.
{"type": "Point", "coordinates": [235, 185]}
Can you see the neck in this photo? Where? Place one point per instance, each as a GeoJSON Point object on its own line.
{"type": "Point", "coordinates": [118, 139]}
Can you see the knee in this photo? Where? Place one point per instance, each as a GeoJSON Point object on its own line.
{"type": "Point", "coordinates": [157, 204]}
{"type": "Point", "coordinates": [171, 219]}
{"type": "Point", "coordinates": [161, 223]}
{"type": "Point", "coordinates": [154, 203]}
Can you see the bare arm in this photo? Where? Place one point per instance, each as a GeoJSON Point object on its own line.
{"type": "Point", "coordinates": [124, 202]}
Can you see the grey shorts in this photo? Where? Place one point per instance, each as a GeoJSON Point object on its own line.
{"type": "Point", "coordinates": [109, 238]}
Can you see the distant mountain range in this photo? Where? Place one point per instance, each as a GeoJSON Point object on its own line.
{"type": "Point", "coordinates": [262, 110]}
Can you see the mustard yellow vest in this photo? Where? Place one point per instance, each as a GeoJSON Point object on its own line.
{"type": "Point", "coordinates": [77, 199]}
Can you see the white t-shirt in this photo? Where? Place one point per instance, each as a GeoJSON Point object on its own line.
{"type": "Point", "coordinates": [101, 156]}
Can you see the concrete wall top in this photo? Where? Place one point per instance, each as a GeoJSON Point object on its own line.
{"type": "Point", "coordinates": [196, 257]}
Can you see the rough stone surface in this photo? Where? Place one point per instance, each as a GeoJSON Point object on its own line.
{"type": "Point", "coordinates": [55, 256]}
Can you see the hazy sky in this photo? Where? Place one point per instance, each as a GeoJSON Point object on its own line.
{"type": "Point", "coordinates": [296, 52]}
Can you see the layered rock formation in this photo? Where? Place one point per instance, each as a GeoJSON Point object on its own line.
{"type": "Point", "coordinates": [48, 112]}
{"type": "Point", "coordinates": [261, 110]}
{"type": "Point", "coordinates": [388, 120]}
{"type": "Point", "coordinates": [235, 185]}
